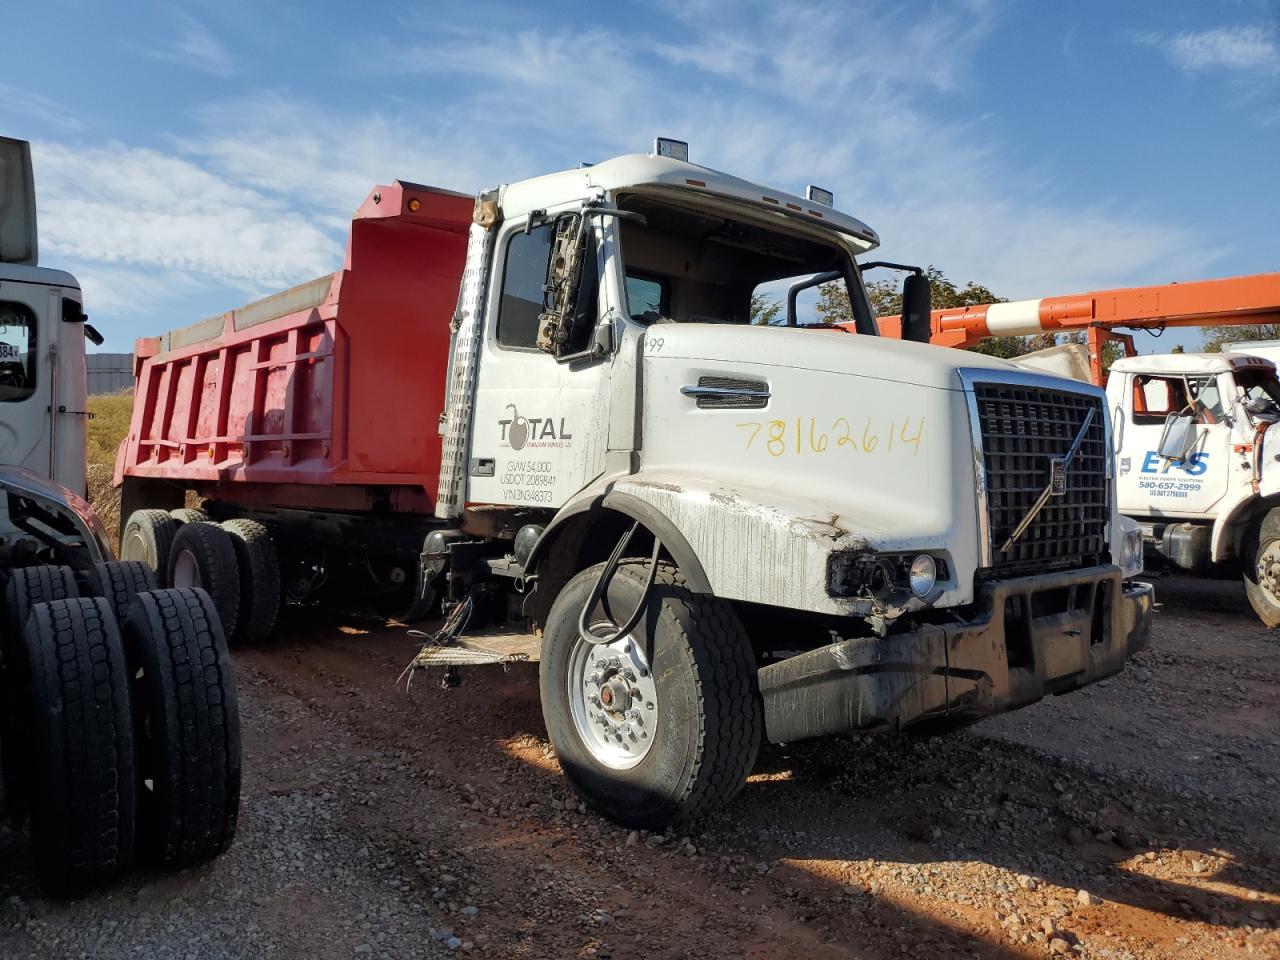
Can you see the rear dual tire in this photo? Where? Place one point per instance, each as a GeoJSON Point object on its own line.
{"type": "Point", "coordinates": [148, 537]}
{"type": "Point", "coordinates": [260, 589]}
{"type": "Point", "coordinates": [203, 557]}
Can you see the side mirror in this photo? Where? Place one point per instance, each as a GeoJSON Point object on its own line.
{"type": "Point", "coordinates": [1178, 437]}
{"type": "Point", "coordinates": [602, 341]}
{"type": "Point", "coordinates": [1261, 407]}
{"type": "Point", "coordinates": [560, 291]}
{"type": "Point", "coordinates": [917, 308]}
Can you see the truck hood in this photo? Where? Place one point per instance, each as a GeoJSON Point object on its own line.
{"type": "Point", "coordinates": [829, 351]}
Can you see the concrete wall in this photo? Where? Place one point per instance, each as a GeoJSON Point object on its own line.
{"type": "Point", "coordinates": [109, 372]}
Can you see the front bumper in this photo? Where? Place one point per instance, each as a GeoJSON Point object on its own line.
{"type": "Point", "coordinates": [1036, 635]}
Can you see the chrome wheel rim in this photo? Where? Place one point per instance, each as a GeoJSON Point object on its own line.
{"type": "Point", "coordinates": [613, 700]}
{"type": "Point", "coordinates": [186, 572]}
{"type": "Point", "coordinates": [1268, 569]}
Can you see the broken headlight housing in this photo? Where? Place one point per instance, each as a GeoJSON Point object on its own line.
{"type": "Point", "coordinates": [1131, 547]}
{"type": "Point", "coordinates": [892, 577]}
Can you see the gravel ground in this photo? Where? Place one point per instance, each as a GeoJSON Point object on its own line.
{"type": "Point", "coordinates": [1137, 819]}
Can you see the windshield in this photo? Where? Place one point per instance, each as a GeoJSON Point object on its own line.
{"type": "Point", "coordinates": [1261, 392]}
{"type": "Point", "coordinates": [694, 266]}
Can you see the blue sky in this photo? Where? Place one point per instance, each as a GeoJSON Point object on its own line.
{"type": "Point", "coordinates": [190, 158]}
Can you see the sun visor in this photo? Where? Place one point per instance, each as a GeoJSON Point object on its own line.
{"type": "Point", "coordinates": [17, 203]}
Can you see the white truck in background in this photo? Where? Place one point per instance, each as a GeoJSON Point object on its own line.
{"type": "Point", "coordinates": [111, 744]}
{"type": "Point", "coordinates": [1198, 462]}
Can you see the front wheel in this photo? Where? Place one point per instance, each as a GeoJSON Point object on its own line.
{"type": "Point", "coordinates": [1262, 568]}
{"type": "Point", "coordinates": [663, 725]}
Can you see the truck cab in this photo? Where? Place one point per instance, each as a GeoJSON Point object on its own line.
{"type": "Point", "coordinates": [42, 342]}
{"type": "Point", "coordinates": [710, 529]}
{"type": "Point", "coordinates": [1194, 459]}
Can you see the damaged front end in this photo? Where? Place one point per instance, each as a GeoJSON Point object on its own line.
{"type": "Point", "coordinates": [881, 587]}
{"type": "Point", "coordinates": [1025, 638]}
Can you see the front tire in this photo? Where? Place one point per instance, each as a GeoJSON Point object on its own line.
{"type": "Point", "coordinates": [1262, 568]}
{"type": "Point", "coordinates": [663, 726]}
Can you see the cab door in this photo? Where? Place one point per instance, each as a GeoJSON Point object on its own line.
{"type": "Point", "coordinates": [541, 426]}
{"type": "Point", "coordinates": [24, 377]}
{"type": "Point", "coordinates": [1153, 486]}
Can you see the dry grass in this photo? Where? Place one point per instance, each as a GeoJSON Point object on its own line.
{"type": "Point", "coordinates": [108, 427]}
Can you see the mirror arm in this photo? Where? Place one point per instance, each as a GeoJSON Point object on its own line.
{"type": "Point", "coordinates": [794, 291]}
{"type": "Point", "coordinates": [629, 215]}
{"type": "Point", "coordinates": [864, 267]}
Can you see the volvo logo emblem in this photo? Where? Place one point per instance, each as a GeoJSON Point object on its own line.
{"type": "Point", "coordinates": [1057, 486]}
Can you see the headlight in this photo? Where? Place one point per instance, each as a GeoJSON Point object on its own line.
{"type": "Point", "coordinates": [1130, 548]}
{"type": "Point", "coordinates": [892, 577]}
{"type": "Point", "coordinates": [924, 574]}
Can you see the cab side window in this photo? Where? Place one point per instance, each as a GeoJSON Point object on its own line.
{"type": "Point", "coordinates": [18, 354]}
{"type": "Point", "coordinates": [1155, 398]}
{"type": "Point", "coordinates": [523, 274]}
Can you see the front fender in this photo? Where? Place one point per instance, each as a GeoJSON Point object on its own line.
{"type": "Point", "coordinates": [756, 544]}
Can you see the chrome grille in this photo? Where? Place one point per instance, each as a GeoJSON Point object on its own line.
{"type": "Point", "coordinates": [1023, 428]}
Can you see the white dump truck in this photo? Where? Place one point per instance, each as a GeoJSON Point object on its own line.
{"type": "Point", "coordinates": [119, 731]}
{"type": "Point", "coordinates": [710, 531]}
{"type": "Point", "coordinates": [1199, 465]}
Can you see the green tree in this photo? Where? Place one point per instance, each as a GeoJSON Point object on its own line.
{"type": "Point", "coordinates": [886, 300]}
{"type": "Point", "coordinates": [764, 310]}
{"type": "Point", "coordinates": [1215, 337]}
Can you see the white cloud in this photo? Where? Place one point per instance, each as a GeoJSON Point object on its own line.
{"type": "Point", "coordinates": [858, 98]}
{"type": "Point", "coordinates": [847, 96]}
{"type": "Point", "coordinates": [196, 46]}
{"type": "Point", "coordinates": [126, 205]}
{"type": "Point", "coordinates": [1247, 49]}
{"type": "Point", "coordinates": [29, 105]}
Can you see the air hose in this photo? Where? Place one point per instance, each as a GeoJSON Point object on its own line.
{"type": "Point", "coordinates": [602, 584]}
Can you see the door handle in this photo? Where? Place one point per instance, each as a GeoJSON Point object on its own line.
{"type": "Point", "coordinates": [689, 390]}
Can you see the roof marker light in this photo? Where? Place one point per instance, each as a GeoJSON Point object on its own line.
{"type": "Point", "coordinates": [675, 149]}
{"type": "Point", "coordinates": [818, 195]}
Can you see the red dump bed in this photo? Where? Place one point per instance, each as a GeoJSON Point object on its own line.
{"type": "Point", "coordinates": [318, 395]}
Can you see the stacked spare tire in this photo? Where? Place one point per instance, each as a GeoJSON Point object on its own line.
{"type": "Point", "coordinates": [119, 726]}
